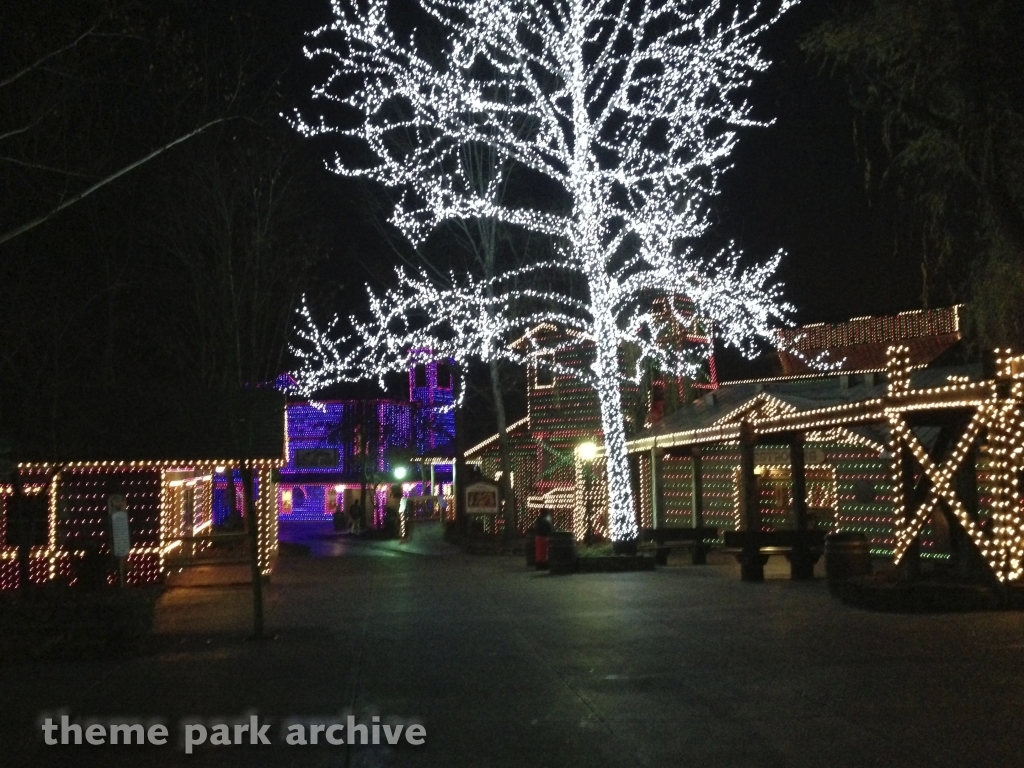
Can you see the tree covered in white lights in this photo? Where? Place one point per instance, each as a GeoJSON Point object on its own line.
{"type": "Point", "coordinates": [621, 114]}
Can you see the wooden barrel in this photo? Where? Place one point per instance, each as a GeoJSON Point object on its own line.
{"type": "Point", "coordinates": [562, 553]}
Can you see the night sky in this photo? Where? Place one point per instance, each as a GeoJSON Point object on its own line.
{"type": "Point", "coordinates": [797, 185]}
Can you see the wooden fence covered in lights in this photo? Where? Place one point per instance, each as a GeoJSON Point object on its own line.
{"type": "Point", "coordinates": [171, 511]}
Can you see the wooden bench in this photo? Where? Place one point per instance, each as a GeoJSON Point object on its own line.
{"type": "Point", "coordinates": [663, 540]}
{"type": "Point", "coordinates": [781, 543]}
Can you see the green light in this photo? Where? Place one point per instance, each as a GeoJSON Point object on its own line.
{"type": "Point", "coordinates": [400, 473]}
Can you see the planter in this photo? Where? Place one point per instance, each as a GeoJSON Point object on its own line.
{"type": "Point", "coordinates": [625, 547]}
{"type": "Point", "coordinates": [484, 545]}
{"type": "Point", "coordinates": [847, 556]}
{"type": "Point", "coordinates": [886, 593]}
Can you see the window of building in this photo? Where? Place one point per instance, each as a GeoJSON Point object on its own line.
{"type": "Point", "coordinates": [444, 376]}
{"type": "Point", "coordinates": [543, 375]}
{"type": "Point", "coordinates": [420, 375]}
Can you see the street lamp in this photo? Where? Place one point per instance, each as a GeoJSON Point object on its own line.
{"type": "Point", "coordinates": [400, 473]}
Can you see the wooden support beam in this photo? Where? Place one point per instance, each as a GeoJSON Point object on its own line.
{"type": "Point", "coordinates": [912, 498]}
{"type": "Point", "coordinates": [801, 564]}
{"type": "Point", "coordinates": [657, 499]}
{"type": "Point", "coordinates": [751, 565]}
{"type": "Point", "coordinates": [700, 552]}
{"type": "Point", "coordinates": [634, 480]}
{"type": "Point", "coordinates": [696, 489]}
{"type": "Point", "coordinates": [967, 559]}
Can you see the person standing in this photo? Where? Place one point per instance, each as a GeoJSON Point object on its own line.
{"type": "Point", "coordinates": [338, 518]}
{"type": "Point", "coordinates": [545, 524]}
{"type": "Point", "coordinates": [403, 516]}
{"type": "Point", "coordinates": [355, 512]}
{"type": "Point", "coordinates": [392, 518]}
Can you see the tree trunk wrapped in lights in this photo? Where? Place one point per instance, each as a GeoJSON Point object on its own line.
{"type": "Point", "coordinates": [626, 109]}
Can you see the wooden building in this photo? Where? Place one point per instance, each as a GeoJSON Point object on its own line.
{"type": "Point", "coordinates": [336, 448]}
{"type": "Point", "coordinates": [176, 503]}
{"type": "Point", "coordinates": [562, 414]}
{"type": "Point", "coordinates": [923, 459]}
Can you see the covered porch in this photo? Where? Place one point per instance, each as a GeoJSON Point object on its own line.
{"type": "Point", "coordinates": [925, 463]}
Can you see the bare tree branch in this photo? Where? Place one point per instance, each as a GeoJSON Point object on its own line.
{"type": "Point", "coordinates": [79, 196]}
{"type": "Point", "coordinates": [45, 58]}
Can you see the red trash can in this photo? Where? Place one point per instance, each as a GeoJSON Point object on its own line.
{"type": "Point", "coordinates": [540, 551]}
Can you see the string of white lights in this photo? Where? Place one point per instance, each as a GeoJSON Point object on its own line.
{"type": "Point", "coordinates": [630, 109]}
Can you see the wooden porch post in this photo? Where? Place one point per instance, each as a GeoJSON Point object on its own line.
{"type": "Point", "coordinates": [751, 565]}
{"type": "Point", "coordinates": [967, 560]}
{"type": "Point", "coordinates": [657, 511]}
{"type": "Point", "coordinates": [700, 552]}
{"type": "Point", "coordinates": [696, 489]}
{"type": "Point", "coordinates": [252, 523]}
{"type": "Point", "coordinates": [801, 565]}
{"type": "Point", "coordinates": [634, 481]}
{"type": "Point", "coordinates": [912, 558]}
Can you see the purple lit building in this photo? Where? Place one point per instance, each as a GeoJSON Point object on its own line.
{"type": "Point", "coordinates": [334, 447]}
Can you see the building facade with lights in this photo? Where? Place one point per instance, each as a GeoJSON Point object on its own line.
{"type": "Point", "coordinates": [923, 459]}
{"type": "Point", "coordinates": [337, 448]}
{"type": "Point", "coordinates": [174, 505]}
{"type": "Point", "coordinates": [562, 414]}
{"type": "Point", "coordinates": [845, 467]}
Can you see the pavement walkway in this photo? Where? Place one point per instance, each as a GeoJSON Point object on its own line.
{"type": "Point", "coordinates": [504, 666]}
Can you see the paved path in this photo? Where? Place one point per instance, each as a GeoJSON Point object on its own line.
{"type": "Point", "coordinates": [685, 666]}
{"type": "Point", "coordinates": [425, 539]}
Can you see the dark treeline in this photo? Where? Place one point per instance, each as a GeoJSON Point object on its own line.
{"type": "Point", "coordinates": [937, 88]}
{"type": "Point", "coordinates": [132, 321]}
{"type": "Point", "coordinates": [134, 318]}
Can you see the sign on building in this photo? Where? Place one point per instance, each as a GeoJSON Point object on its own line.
{"type": "Point", "coordinates": [482, 499]}
{"type": "Point", "coordinates": [316, 458]}
{"type": "Point", "coordinates": [779, 457]}
{"type": "Point", "coordinates": [120, 537]}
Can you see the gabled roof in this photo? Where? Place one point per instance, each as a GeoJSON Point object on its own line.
{"type": "Point", "coordinates": [541, 330]}
{"type": "Point", "coordinates": [860, 344]}
{"type": "Point", "coordinates": [517, 426]}
{"type": "Point", "coordinates": [720, 412]}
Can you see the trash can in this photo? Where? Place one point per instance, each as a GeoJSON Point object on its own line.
{"type": "Point", "coordinates": [540, 552]}
{"type": "Point", "coordinates": [531, 553]}
{"type": "Point", "coordinates": [562, 553]}
{"type": "Point", "coordinates": [847, 555]}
